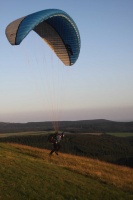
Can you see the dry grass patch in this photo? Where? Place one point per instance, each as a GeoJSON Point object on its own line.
{"type": "Point", "coordinates": [113, 174]}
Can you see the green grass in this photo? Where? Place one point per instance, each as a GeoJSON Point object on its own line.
{"type": "Point", "coordinates": [30, 174]}
{"type": "Point", "coordinates": [26, 133]}
{"type": "Point", "coordinates": [121, 134]}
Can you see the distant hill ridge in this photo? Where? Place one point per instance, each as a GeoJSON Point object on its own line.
{"type": "Point", "coordinates": [97, 125]}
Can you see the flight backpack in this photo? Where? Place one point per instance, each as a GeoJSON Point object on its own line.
{"type": "Point", "coordinates": [52, 138]}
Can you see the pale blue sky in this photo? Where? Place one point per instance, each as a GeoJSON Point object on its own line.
{"type": "Point", "coordinates": [36, 86]}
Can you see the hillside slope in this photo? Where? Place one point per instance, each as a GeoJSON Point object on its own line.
{"type": "Point", "coordinates": [116, 150]}
{"type": "Point", "coordinates": [29, 173]}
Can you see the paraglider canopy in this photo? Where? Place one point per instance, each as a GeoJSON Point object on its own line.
{"type": "Point", "coordinates": [55, 27]}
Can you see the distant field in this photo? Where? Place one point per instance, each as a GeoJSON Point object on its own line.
{"type": "Point", "coordinates": [26, 133]}
{"type": "Point", "coordinates": [23, 133]}
{"type": "Point", "coordinates": [121, 134]}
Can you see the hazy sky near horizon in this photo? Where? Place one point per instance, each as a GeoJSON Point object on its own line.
{"type": "Point", "coordinates": [36, 86]}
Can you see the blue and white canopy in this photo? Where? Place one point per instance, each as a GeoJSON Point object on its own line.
{"type": "Point", "coordinates": [55, 27]}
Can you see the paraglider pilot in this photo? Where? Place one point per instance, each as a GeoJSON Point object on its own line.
{"type": "Point", "coordinates": [55, 139]}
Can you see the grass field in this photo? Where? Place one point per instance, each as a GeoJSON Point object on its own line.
{"type": "Point", "coordinates": [29, 173]}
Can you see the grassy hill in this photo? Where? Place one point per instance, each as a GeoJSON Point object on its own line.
{"type": "Point", "coordinates": [29, 173]}
{"type": "Point", "coordinates": [108, 148]}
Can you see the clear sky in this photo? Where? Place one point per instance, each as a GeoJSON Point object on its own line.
{"type": "Point", "coordinates": [36, 86]}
